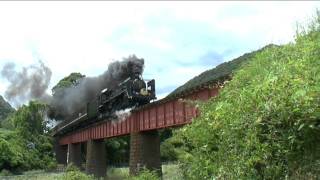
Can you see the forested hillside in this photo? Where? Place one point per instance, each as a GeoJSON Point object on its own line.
{"type": "Point", "coordinates": [24, 140]}
{"type": "Point", "coordinates": [5, 108]}
{"type": "Point", "coordinates": [219, 73]}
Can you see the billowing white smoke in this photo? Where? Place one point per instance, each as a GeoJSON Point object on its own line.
{"type": "Point", "coordinates": [122, 115]}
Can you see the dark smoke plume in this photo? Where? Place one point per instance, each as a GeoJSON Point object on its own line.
{"type": "Point", "coordinates": [67, 102]}
{"type": "Point", "coordinates": [31, 83]}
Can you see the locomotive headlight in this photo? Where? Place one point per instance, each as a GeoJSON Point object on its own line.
{"type": "Point", "coordinates": [144, 92]}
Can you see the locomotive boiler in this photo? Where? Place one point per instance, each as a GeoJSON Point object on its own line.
{"type": "Point", "coordinates": [132, 92]}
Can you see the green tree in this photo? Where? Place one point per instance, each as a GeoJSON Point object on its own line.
{"type": "Point", "coordinates": [58, 92]}
{"type": "Point", "coordinates": [31, 119]}
{"type": "Point", "coordinates": [5, 109]}
{"type": "Point", "coordinates": [27, 145]}
{"type": "Point", "coordinates": [68, 81]}
{"type": "Point", "coordinates": [118, 150]}
{"type": "Point", "coordinates": [11, 153]}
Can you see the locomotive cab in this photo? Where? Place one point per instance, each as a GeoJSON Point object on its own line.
{"type": "Point", "coordinates": [141, 92]}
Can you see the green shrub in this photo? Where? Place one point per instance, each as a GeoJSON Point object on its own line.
{"type": "Point", "coordinates": [117, 173]}
{"type": "Point", "coordinates": [168, 150]}
{"type": "Point", "coordinates": [76, 175]}
{"type": "Point", "coordinates": [5, 172]}
{"type": "Point", "coordinates": [71, 167]}
{"type": "Point", "coordinates": [51, 166]}
{"type": "Point", "coordinates": [172, 172]}
{"type": "Point", "coordinates": [72, 172]}
{"type": "Point", "coordinates": [11, 152]}
{"type": "Point", "coordinates": [265, 123]}
{"type": "Point", "coordinates": [146, 175]}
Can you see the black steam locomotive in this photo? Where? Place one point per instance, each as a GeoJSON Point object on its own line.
{"type": "Point", "coordinates": [133, 92]}
{"type": "Point", "coordinates": [130, 93]}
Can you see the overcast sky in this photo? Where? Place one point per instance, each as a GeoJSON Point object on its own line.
{"type": "Point", "coordinates": [178, 40]}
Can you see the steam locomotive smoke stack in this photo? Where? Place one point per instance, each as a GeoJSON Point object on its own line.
{"type": "Point", "coordinates": [68, 101]}
{"type": "Point", "coordinates": [31, 83]}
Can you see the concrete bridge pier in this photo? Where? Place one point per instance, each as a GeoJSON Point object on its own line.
{"type": "Point", "coordinates": [74, 154]}
{"type": "Point", "coordinates": [145, 152]}
{"type": "Point", "coordinates": [96, 158]}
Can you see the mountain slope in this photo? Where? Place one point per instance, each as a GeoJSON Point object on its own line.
{"type": "Point", "coordinates": [219, 73]}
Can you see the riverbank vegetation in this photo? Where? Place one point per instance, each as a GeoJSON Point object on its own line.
{"type": "Point", "coordinates": [265, 123]}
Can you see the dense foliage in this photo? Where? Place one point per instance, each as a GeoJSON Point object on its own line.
{"type": "Point", "coordinates": [25, 144]}
{"type": "Point", "coordinates": [168, 146]}
{"type": "Point", "coordinates": [265, 124]}
{"type": "Point", "coordinates": [68, 81]}
{"type": "Point", "coordinates": [118, 150]}
{"type": "Point", "coordinates": [5, 109]}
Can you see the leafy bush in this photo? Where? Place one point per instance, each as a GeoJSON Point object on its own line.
{"type": "Point", "coordinates": [265, 124]}
{"type": "Point", "coordinates": [76, 175]}
{"type": "Point", "coordinates": [145, 175]}
{"type": "Point", "coordinates": [172, 172]}
{"type": "Point", "coordinates": [51, 166]}
{"type": "Point", "coordinates": [72, 172]}
{"type": "Point", "coordinates": [117, 173]}
{"type": "Point", "coordinates": [5, 172]}
{"type": "Point", "coordinates": [71, 167]}
{"type": "Point", "coordinates": [11, 153]}
{"type": "Point", "coordinates": [168, 150]}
